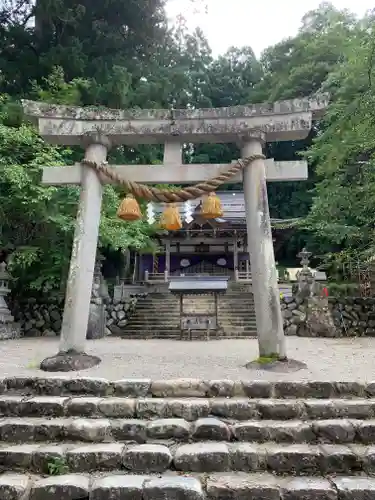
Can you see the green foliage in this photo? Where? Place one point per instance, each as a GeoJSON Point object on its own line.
{"type": "Point", "coordinates": [343, 290]}
{"type": "Point", "coordinates": [57, 467]}
{"type": "Point", "coordinates": [86, 38]}
{"type": "Point", "coordinates": [344, 198]}
{"type": "Point", "coordinates": [297, 67]}
{"type": "Point", "coordinates": [34, 219]}
{"type": "Point", "coordinates": [37, 222]}
{"type": "Point", "coordinates": [56, 90]}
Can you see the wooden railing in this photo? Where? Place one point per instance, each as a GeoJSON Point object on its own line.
{"type": "Point", "coordinates": [156, 277]}
{"type": "Point", "coordinates": [239, 276]}
{"type": "Point", "coordinates": [243, 276]}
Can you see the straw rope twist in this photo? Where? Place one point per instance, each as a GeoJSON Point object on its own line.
{"type": "Point", "coordinates": [163, 195]}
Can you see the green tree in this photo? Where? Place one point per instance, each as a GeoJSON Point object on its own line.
{"type": "Point", "coordinates": [87, 39]}
{"type": "Point", "coordinates": [294, 68]}
{"type": "Point", "coordinates": [297, 66]}
{"type": "Point", "coordinates": [37, 222]}
{"type": "Point", "coordinates": [342, 214]}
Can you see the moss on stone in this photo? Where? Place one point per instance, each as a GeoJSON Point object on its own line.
{"type": "Point", "coordinates": [263, 360]}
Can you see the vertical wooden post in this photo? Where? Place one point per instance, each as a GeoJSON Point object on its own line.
{"type": "Point", "coordinates": [247, 268]}
{"type": "Point", "coordinates": [135, 276]}
{"type": "Point", "coordinates": [168, 258]}
{"type": "Point", "coordinates": [181, 312]}
{"type": "Point", "coordinates": [235, 252]}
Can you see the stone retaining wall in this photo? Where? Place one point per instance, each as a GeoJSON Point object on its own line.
{"type": "Point", "coordinates": [42, 319]}
{"type": "Point", "coordinates": [352, 316]}
{"type": "Point", "coordinates": [294, 314]}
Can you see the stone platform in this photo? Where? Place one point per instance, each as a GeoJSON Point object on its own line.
{"type": "Point", "coordinates": [185, 439]}
{"type": "Point", "coordinates": [326, 359]}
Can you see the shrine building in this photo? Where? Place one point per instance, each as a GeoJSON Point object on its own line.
{"type": "Point", "coordinates": [213, 247]}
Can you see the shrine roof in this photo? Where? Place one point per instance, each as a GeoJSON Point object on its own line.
{"type": "Point", "coordinates": [233, 205]}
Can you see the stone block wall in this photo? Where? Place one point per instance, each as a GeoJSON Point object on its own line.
{"type": "Point", "coordinates": [352, 316]}
{"type": "Point", "coordinates": [119, 312]}
{"type": "Point", "coordinates": [294, 314]}
{"type": "Point", "coordinates": [43, 318]}
{"type": "Point", "coordinates": [38, 317]}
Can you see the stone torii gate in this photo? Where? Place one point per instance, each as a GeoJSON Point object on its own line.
{"type": "Point", "coordinates": [97, 130]}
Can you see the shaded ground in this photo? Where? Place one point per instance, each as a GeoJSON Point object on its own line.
{"type": "Point", "coordinates": [326, 359]}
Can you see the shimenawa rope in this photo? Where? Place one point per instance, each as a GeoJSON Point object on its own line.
{"type": "Point", "coordinates": [163, 195]}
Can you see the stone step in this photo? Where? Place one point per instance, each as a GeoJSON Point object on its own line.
{"type": "Point", "coordinates": [353, 393]}
{"type": "Point", "coordinates": [136, 334]}
{"type": "Point", "coordinates": [171, 297]}
{"type": "Point", "coordinates": [175, 316]}
{"type": "Point", "coordinates": [216, 486]}
{"type": "Point", "coordinates": [157, 315]}
{"type": "Point", "coordinates": [234, 333]}
{"type": "Point", "coordinates": [111, 425]}
{"type": "Point", "coordinates": [175, 333]}
{"type": "Point", "coordinates": [196, 301]}
{"type": "Point", "coordinates": [202, 457]}
{"type": "Point", "coordinates": [166, 318]}
{"type": "Point", "coordinates": [174, 329]}
{"type": "Point", "coordinates": [149, 315]}
{"type": "Point", "coordinates": [175, 310]}
{"type": "Point", "coordinates": [199, 298]}
{"type": "Point", "coordinates": [230, 291]}
{"type": "Point", "coordinates": [196, 310]}
{"type": "Point", "coordinates": [191, 409]}
{"type": "Point", "coordinates": [160, 325]}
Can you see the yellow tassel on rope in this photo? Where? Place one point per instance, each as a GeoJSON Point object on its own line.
{"type": "Point", "coordinates": [129, 209]}
{"type": "Point", "coordinates": [170, 218]}
{"type": "Point", "coordinates": [211, 207]}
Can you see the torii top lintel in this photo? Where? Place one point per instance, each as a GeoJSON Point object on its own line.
{"type": "Point", "coordinates": [279, 121]}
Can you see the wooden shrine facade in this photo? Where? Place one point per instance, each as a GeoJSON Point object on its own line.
{"type": "Point", "coordinates": [216, 247]}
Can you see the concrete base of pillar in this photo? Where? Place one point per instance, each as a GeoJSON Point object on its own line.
{"type": "Point", "coordinates": [69, 361]}
{"type": "Point", "coordinates": [277, 366]}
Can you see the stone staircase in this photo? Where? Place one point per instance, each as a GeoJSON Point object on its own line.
{"type": "Point", "coordinates": [91, 439]}
{"type": "Point", "coordinates": [157, 314]}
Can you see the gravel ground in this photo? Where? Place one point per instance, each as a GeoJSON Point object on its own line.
{"type": "Point", "coordinates": [326, 359]}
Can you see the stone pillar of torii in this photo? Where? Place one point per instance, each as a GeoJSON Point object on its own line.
{"type": "Point", "coordinates": [97, 130]}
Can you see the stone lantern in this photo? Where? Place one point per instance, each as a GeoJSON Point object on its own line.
{"type": "Point", "coordinates": [305, 276]}
{"type": "Point", "coordinates": [304, 255]}
{"type": "Point", "coordinates": [8, 328]}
